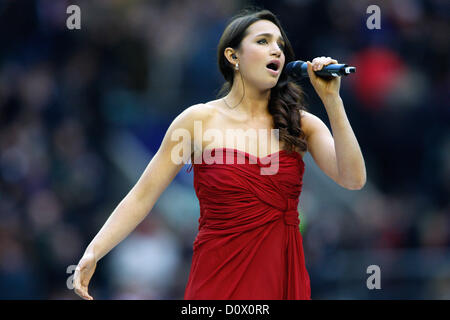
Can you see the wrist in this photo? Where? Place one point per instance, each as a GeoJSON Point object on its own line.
{"type": "Point", "coordinates": [91, 252]}
{"type": "Point", "coordinates": [331, 99]}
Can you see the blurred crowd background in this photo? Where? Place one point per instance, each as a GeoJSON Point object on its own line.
{"type": "Point", "coordinates": [83, 111]}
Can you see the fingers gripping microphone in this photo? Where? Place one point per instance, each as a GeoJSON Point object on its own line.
{"type": "Point", "coordinates": [299, 69]}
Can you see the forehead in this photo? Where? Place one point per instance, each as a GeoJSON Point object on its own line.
{"type": "Point", "coordinates": [263, 26]}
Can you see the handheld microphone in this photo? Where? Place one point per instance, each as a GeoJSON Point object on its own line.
{"type": "Point", "coordinates": [299, 69]}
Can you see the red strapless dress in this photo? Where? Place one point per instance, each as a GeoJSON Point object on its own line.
{"type": "Point", "coordinates": [249, 245]}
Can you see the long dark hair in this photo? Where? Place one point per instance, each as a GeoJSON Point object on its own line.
{"type": "Point", "coordinates": [286, 98]}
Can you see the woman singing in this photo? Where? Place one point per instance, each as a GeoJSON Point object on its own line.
{"type": "Point", "coordinates": [248, 245]}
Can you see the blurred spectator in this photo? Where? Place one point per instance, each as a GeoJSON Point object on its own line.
{"type": "Point", "coordinates": [144, 265]}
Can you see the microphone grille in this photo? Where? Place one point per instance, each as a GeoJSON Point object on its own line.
{"type": "Point", "coordinates": [294, 67]}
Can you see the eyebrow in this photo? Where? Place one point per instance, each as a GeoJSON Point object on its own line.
{"type": "Point", "coordinates": [270, 36]}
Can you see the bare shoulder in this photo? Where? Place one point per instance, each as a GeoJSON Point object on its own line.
{"type": "Point", "coordinates": [188, 117]}
{"type": "Point", "coordinates": [201, 111]}
{"type": "Point", "coordinates": [307, 121]}
{"type": "Point", "coordinates": [310, 122]}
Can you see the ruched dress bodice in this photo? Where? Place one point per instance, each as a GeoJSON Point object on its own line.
{"type": "Point", "coordinates": [248, 245]}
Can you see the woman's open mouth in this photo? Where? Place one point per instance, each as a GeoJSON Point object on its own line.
{"type": "Point", "coordinates": [273, 68]}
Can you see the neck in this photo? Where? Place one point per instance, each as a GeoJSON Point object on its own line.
{"type": "Point", "coordinates": [253, 102]}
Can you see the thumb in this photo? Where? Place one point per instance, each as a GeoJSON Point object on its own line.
{"type": "Point", "coordinates": [311, 73]}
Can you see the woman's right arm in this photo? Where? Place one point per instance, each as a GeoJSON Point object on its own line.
{"type": "Point", "coordinates": [141, 198]}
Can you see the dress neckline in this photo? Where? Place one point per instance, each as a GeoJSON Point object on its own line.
{"type": "Point", "coordinates": [249, 155]}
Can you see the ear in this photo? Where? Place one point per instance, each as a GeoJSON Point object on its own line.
{"type": "Point", "coordinates": [230, 55]}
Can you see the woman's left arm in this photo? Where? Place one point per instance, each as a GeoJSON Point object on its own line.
{"type": "Point", "coordinates": [338, 155]}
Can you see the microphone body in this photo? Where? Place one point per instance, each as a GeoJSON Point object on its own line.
{"type": "Point", "coordinates": [299, 69]}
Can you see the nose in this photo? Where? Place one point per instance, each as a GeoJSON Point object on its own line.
{"type": "Point", "coordinates": [276, 50]}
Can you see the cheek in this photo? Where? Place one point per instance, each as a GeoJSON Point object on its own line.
{"type": "Point", "coordinates": [255, 58]}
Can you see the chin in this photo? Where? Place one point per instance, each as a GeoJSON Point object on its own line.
{"type": "Point", "coordinates": [273, 84]}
